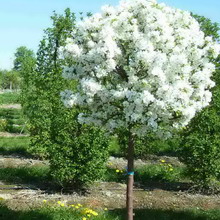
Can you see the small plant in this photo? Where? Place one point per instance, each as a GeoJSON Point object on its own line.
{"type": "Point", "coordinates": [3, 124]}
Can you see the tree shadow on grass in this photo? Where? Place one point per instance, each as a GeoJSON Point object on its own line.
{"type": "Point", "coordinates": [159, 214]}
{"type": "Point", "coordinates": [149, 180]}
{"type": "Point", "coordinates": [18, 151]}
{"type": "Point", "coordinates": [8, 214]}
{"type": "Point", "coordinates": [36, 176]}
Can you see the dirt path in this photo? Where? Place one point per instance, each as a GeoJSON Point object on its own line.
{"type": "Point", "coordinates": [7, 134]}
{"type": "Point", "coordinates": [11, 106]}
{"type": "Point", "coordinates": [111, 195]}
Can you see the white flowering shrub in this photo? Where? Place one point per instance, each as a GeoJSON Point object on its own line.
{"type": "Point", "coordinates": [141, 65]}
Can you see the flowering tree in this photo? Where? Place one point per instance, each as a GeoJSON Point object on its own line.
{"type": "Point", "coordinates": [140, 66]}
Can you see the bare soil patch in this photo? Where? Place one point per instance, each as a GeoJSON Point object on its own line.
{"type": "Point", "coordinates": [11, 106]}
{"type": "Point", "coordinates": [7, 134]}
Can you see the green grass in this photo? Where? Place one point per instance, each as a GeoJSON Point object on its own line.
{"type": "Point", "coordinates": [21, 129]}
{"type": "Point", "coordinates": [112, 176]}
{"type": "Point", "coordinates": [37, 175]}
{"type": "Point", "coordinates": [160, 214]}
{"type": "Point", "coordinates": [149, 173]}
{"type": "Point", "coordinates": [9, 98]}
{"type": "Point", "coordinates": [19, 121]}
{"type": "Point", "coordinates": [51, 213]}
{"type": "Point", "coordinates": [15, 123]}
{"type": "Point", "coordinates": [11, 113]}
{"type": "Point", "coordinates": [14, 145]}
{"type": "Point", "coordinates": [159, 172]}
{"type": "Point", "coordinates": [65, 213]}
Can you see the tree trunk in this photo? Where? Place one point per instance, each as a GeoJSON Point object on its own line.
{"type": "Point", "coordinates": [129, 201]}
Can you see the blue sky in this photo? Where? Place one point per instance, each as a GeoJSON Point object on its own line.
{"type": "Point", "coordinates": [22, 21]}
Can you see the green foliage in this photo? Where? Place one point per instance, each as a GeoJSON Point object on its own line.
{"type": "Point", "coordinates": [79, 156]}
{"type": "Point", "coordinates": [24, 64]}
{"type": "Point", "coordinates": [22, 57]}
{"type": "Point", "coordinates": [145, 146]}
{"type": "Point", "coordinates": [42, 103]}
{"type": "Point", "coordinates": [200, 145]}
{"type": "Point", "coordinates": [208, 27]}
{"type": "Point", "coordinates": [9, 80]}
{"type": "Point", "coordinates": [3, 124]}
{"type": "Point", "coordinates": [76, 153]}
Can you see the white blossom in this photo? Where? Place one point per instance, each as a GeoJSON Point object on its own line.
{"type": "Point", "coordinates": [140, 64]}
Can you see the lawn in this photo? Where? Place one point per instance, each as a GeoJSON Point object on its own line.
{"type": "Point", "coordinates": [67, 212]}
{"type": "Point", "coordinates": [9, 98]}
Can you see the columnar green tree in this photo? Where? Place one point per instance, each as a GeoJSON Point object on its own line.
{"type": "Point", "coordinates": [24, 64]}
{"type": "Point", "coordinates": [77, 153]}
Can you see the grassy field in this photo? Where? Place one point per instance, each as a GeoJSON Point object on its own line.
{"type": "Point", "coordinates": [49, 212]}
{"type": "Point", "coordinates": [9, 98]}
{"type": "Point", "coordinates": [14, 145]}
{"type": "Point", "coordinates": [12, 120]}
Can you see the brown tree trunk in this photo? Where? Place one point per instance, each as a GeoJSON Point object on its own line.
{"type": "Point", "coordinates": [130, 183]}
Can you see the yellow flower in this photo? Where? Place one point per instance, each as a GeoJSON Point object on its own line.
{"type": "Point", "coordinates": [76, 206]}
{"type": "Point", "coordinates": [44, 201]}
{"type": "Point", "coordinates": [171, 169]}
{"type": "Point", "coordinates": [62, 204]}
{"type": "Point", "coordinates": [59, 202]}
{"type": "Point", "coordinates": [163, 161]}
{"type": "Point", "coordinates": [117, 171]}
{"type": "Point", "coordinates": [79, 205]}
{"type": "Point", "coordinates": [72, 205]}
{"type": "Point", "coordinates": [88, 215]}
{"type": "Point", "coordinates": [84, 218]}
{"type": "Point", "coordinates": [94, 213]}
{"type": "Point", "coordinates": [105, 209]}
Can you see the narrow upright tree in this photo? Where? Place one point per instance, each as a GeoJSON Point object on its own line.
{"type": "Point", "coordinates": [24, 65]}
{"type": "Point", "coordinates": [141, 67]}
{"type": "Point", "coordinates": [23, 55]}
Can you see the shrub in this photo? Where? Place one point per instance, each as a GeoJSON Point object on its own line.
{"type": "Point", "coordinates": [78, 160]}
{"type": "Point", "coordinates": [200, 147]}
